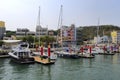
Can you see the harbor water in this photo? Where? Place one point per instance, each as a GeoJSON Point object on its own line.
{"type": "Point", "coordinates": [102, 67]}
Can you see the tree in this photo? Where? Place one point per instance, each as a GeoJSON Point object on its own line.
{"type": "Point", "coordinates": [24, 39]}
{"type": "Point", "coordinates": [30, 39]}
{"type": "Point", "coordinates": [47, 39]}
{"type": "Point", "coordinates": [9, 33]}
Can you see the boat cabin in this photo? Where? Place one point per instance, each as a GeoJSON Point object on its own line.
{"type": "Point", "coordinates": [22, 54]}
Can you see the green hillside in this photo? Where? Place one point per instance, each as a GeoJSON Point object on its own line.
{"type": "Point", "coordinates": [90, 31]}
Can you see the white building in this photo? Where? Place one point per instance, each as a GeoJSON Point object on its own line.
{"type": "Point", "coordinates": [103, 39]}
{"type": "Point", "coordinates": [22, 32]}
{"type": "Point", "coordinates": [41, 31]}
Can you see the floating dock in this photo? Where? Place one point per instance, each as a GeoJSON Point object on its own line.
{"type": "Point", "coordinates": [44, 61]}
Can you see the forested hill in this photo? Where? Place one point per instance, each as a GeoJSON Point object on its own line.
{"type": "Point", "coordinates": [90, 31]}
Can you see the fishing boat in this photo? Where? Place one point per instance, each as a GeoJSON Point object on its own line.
{"type": "Point", "coordinates": [108, 51]}
{"type": "Point", "coordinates": [86, 54]}
{"type": "Point", "coordinates": [65, 52]}
{"type": "Point", "coordinates": [95, 51]}
{"type": "Point", "coordinates": [22, 54]}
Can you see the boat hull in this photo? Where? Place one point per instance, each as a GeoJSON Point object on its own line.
{"type": "Point", "coordinates": [86, 55]}
{"type": "Point", "coordinates": [82, 56]}
{"type": "Point", "coordinates": [106, 53]}
{"type": "Point", "coordinates": [23, 60]}
{"type": "Point", "coordinates": [68, 56]}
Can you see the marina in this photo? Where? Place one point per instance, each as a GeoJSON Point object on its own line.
{"type": "Point", "coordinates": [102, 67]}
{"type": "Point", "coordinates": [59, 40]}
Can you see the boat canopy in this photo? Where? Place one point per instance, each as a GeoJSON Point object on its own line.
{"type": "Point", "coordinates": [11, 41]}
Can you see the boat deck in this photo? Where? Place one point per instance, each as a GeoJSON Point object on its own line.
{"type": "Point", "coordinates": [82, 56]}
{"type": "Point", "coordinates": [44, 61]}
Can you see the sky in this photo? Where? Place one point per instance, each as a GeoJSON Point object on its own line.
{"type": "Point", "coordinates": [24, 13]}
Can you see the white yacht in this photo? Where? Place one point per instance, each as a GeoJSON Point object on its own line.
{"type": "Point", "coordinates": [22, 54]}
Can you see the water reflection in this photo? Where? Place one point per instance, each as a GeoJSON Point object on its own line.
{"type": "Point", "coordinates": [90, 61]}
{"type": "Point", "coordinates": [19, 67]}
{"type": "Point", "coordinates": [102, 67]}
{"type": "Point", "coordinates": [2, 69]}
{"type": "Point", "coordinates": [116, 58]}
{"type": "Point", "coordinates": [49, 73]}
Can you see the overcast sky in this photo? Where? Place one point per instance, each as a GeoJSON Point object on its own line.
{"type": "Point", "coordinates": [24, 13]}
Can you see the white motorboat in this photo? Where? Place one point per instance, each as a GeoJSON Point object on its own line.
{"type": "Point", "coordinates": [22, 54]}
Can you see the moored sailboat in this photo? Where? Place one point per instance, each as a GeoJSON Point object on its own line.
{"type": "Point", "coordinates": [68, 53]}
{"type": "Point", "coordinates": [86, 54]}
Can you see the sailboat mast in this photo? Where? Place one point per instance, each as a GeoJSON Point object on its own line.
{"type": "Point", "coordinates": [61, 27]}
{"type": "Point", "coordinates": [98, 31]}
{"type": "Point", "coordinates": [58, 28]}
{"type": "Point", "coordinates": [39, 23]}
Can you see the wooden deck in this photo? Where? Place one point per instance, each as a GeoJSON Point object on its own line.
{"type": "Point", "coordinates": [44, 61]}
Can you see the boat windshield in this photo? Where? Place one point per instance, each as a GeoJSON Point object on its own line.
{"type": "Point", "coordinates": [15, 53]}
{"type": "Point", "coordinates": [12, 51]}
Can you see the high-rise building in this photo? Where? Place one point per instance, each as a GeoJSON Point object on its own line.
{"type": "Point", "coordinates": [2, 29]}
{"type": "Point", "coordinates": [69, 35]}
